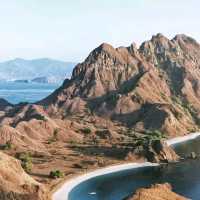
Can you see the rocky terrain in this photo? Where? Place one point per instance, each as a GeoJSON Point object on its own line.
{"type": "Point", "coordinates": [119, 105]}
{"type": "Point", "coordinates": [16, 184]}
{"type": "Point", "coordinates": [156, 192]}
{"type": "Point", "coordinates": [155, 86]}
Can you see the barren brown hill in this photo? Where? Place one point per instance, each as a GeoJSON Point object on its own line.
{"type": "Point", "coordinates": [156, 192]}
{"type": "Point", "coordinates": [16, 184]}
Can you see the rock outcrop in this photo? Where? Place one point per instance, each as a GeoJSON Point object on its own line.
{"type": "Point", "coordinates": [4, 104]}
{"type": "Point", "coordinates": [16, 184]}
{"type": "Point", "coordinates": [156, 192]}
{"type": "Point", "coordinates": [159, 151]}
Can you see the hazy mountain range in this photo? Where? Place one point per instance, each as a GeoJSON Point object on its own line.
{"type": "Point", "coordinates": [38, 70]}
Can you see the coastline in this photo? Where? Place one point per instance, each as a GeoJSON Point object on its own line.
{"type": "Point", "coordinates": [62, 193]}
{"type": "Point", "coordinates": [180, 139]}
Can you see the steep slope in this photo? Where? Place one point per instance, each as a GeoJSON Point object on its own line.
{"type": "Point", "coordinates": [153, 87]}
{"type": "Point", "coordinates": [16, 184]}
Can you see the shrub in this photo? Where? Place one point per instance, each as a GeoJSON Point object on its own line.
{"type": "Point", "coordinates": [55, 133]}
{"type": "Point", "coordinates": [56, 174]}
{"type": "Point", "coordinates": [41, 117]}
{"type": "Point", "coordinates": [51, 140]}
{"type": "Point", "coordinates": [8, 145]}
{"type": "Point", "coordinates": [149, 138]}
{"type": "Point", "coordinates": [26, 161]}
{"type": "Point", "coordinates": [86, 130]}
{"type": "Point", "coordinates": [54, 137]}
{"type": "Point", "coordinates": [177, 115]}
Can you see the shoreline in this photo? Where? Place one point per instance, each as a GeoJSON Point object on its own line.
{"type": "Point", "coordinates": [62, 193]}
{"type": "Point", "coordinates": [181, 139]}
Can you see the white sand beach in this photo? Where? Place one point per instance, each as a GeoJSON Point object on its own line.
{"type": "Point", "coordinates": [63, 192]}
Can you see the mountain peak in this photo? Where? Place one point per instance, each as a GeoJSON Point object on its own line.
{"type": "Point", "coordinates": [158, 35]}
{"type": "Point", "coordinates": [184, 38]}
{"type": "Point", "coordinates": [105, 47]}
{"type": "Point", "coordinates": [124, 80]}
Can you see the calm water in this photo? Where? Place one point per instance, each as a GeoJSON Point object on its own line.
{"type": "Point", "coordinates": [25, 92]}
{"type": "Point", "coordinates": [184, 177]}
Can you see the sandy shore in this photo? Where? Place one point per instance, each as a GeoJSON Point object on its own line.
{"type": "Point", "coordinates": [63, 192]}
{"type": "Point", "coordinates": [183, 138]}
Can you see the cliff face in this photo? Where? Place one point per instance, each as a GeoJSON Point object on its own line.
{"type": "Point", "coordinates": [156, 192]}
{"type": "Point", "coordinates": [159, 151]}
{"type": "Point", "coordinates": [155, 86]}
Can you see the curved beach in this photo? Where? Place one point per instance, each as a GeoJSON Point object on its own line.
{"type": "Point", "coordinates": [63, 192]}
{"type": "Point", "coordinates": [185, 138]}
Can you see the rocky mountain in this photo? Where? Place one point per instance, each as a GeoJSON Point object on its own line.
{"type": "Point", "coordinates": [155, 86]}
{"type": "Point", "coordinates": [54, 71]}
{"type": "Point", "coordinates": [118, 105]}
{"type": "Point", "coordinates": [117, 93]}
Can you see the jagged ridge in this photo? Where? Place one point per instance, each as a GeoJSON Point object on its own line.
{"type": "Point", "coordinates": [155, 86]}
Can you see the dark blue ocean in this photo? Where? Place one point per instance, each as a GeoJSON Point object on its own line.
{"type": "Point", "coordinates": [183, 176]}
{"type": "Point", "coordinates": [16, 92]}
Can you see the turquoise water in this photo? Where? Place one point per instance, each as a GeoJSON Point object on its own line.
{"type": "Point", "coordinates": [183, 176]}
{"type": "Point", "coordinates": [25, 92]}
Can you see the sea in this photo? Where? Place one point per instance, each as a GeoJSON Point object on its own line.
{"type": "Point", "coordinates": [183, 176]}
{"type": "Point", "coordinates": [17, 92]}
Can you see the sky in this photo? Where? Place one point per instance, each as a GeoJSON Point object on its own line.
{"type": "Point", "coordinates": [69, 29]}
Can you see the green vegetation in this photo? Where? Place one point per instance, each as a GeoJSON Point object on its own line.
{"type": "Point", "coordinates": [55, 132]}
{"type": "Point", "coordinates": [41, 117]}
{"type": "Point", "coordinates": [185, 105]}
{"type": "Point", "coordinates": [56, 174]}
{"type": "Point", "coordinates": [178, 115]}
{"type": "Point", "coordinates": [54, 138]}
{"type": "Point", "coordinates": [188, 109]}
{"type": "Point", "coordinates": [149, 138]}
{"type": "Point", "coordinates": [112, 99]}
{"type": "Point", "coordinates": [176, 100]}
{"type": "Point", "coordinates": [163, 96]}
{"type": "Point", "coordinates": [192, 112]}
{"type": "Point", "coordinates": [26, 161]}
{"type": "Point", "coordinates": [8, 145]}
{"type": "Point", "coordinates": [86, 130]}
{"type": "Point", "coordinates": [72, 142]}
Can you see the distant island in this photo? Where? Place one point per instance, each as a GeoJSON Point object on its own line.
{"type": "Point", "coordinates": [42, 70]}
{"type": "Point", "coordinates": [42, 79]}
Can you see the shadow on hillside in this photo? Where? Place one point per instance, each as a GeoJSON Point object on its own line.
{"type": "Point", "coordinates": [152, 116]}
{"type": "Point", "coordinates": [114, 152]}
{"type": "Point", "coordinates": [39, 175]}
